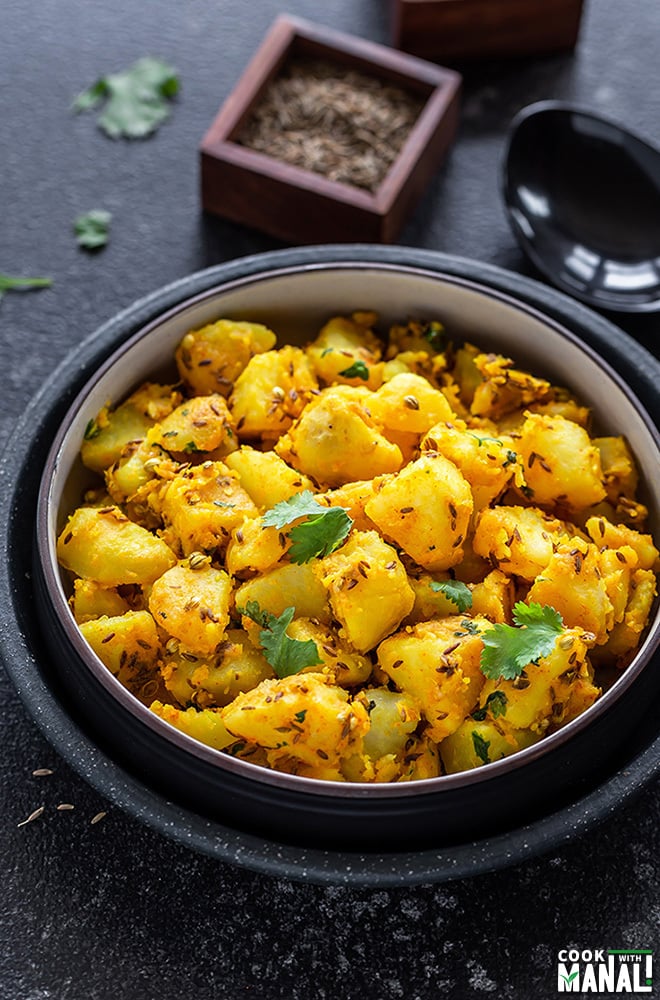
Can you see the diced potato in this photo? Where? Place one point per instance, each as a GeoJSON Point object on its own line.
{"type": "Point", "coordinates": [519, 540]}
{"type": "Point", "coordinates": [304, 717]}
{"type": "Point", "coordinates": [477, 743]}
{"type": "Point", "coordinates": [90, 600]}
{"type": "Point", "coordinates": [367, 588]}
{"type": "Point", "coordinates": [211, 359]}
{"type": "Point", "coordinates": [193, 605]}
{"type": "Point", "coordinates": [416, 336]}
{"type": "Point", "coordinates": [347, 667]}
{"type": "Point", "coordinates": [254, 548]}
{"type": "Point", "coordinates": [205, 726]}
{"type": "Point", "coordinates": [426, 510]}
{"type": "Point", "coordinates": [619, 469]}
{"type": "Point", "coordinates": [129, 647]}
{"type": "Point", "coordinates": [494, 597]}
{"type": "Point", "coordinates": [409, 403]}
{"type": "Point", "coordinates": [487, 463]}
{"type": "Point", "coordinates": [539, 696]}
{"type": "Point", "coordinates": [290, 585]}
{"type": "Point", "coordinates": [201, 506]}
{"type": "Point", "coordinates": [215, 680]}
{"type": "Point", "coordinates": [265, 477]}
{"type": "Point", "coordinates": [110, 431]}
{"type": "Point", "coordinates": [352, 497]}
{"type": "Point", "coordinates": [560, 463]}
{"type": "Point", "coordinates": [271, 392]}
{"type": "Point", "coordinates": [625, 636]}
{"type": "Point", "coordinates": [505, 388]}
{"type": "Point", "coordinates": [429, 602]}
{"type": "Point", "coordinates": [341, 344]}
{"type": "Point", "coordinates": [466, 374]}
{"type": "Point", "coordinates": [572, 584]}
{"type": "Point", "coordinates": [101, 544]}
{"type": "Point", "coordinates": [201, 424]}
{"type": "Point", "coordinates": [393, 718]}
{"type": "Point", "coordinates": [335, 441]}
{"type": "Point", "coordinates": [437, 663]}
{"type": "Point", "coordinates": [615, 536]}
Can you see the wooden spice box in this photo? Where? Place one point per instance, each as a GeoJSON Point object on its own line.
{"type": "Point", "coordinates": [460, 30]}
{"type": "Point", "coordinates": [296, 204]}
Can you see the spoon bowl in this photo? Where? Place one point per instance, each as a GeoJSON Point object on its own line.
{"type": "Point", "coordinates": [583, 199]}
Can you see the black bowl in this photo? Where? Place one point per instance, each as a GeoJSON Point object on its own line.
{"type": "Point", "coordinates": [430, 830]}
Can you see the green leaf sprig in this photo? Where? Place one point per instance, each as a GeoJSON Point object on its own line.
{"type": "Point", "coordinates": [455, 591]}
{"type": "Point", "coordinates": [323, 530]}
{"type": "Point", "coordinates": [92, 229]}
{"type": "Point", "coordinates": [137, 99]}
{"type": "Point", "coordinates": [286, 656]}
{"type": "Point", "coordinates": [508, 650]}
{"type": "Point", "coordinates": [9, 283]}
{"type": "Point", "coordinates": [357, 370]}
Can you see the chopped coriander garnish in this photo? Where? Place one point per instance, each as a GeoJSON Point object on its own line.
{"type": "Point", "coordinates": [92, 430]}
{"type": "Point", "coordinates": [357, 370]}
{"type": "Point", "coordinates": [508, 650]}
{"type": "Point", "coordinates": [286, 656]}
{"type": "Point", "coordinates": [323, 531]}
{"type": "Point", "coordinates": [137, 98]}
{"type": "Point", "coordinates": [8, 283]}
{"type": "Point", "coordinates": [496, 703]}
{"type": "Point", "coordinates": [435, 334]}
{"type": "Point", "coordinates": [92, 229]}
{"type": "Point", "coordinates": [456, 592]}
{"type": "Point", "coordinates": [480, 747]}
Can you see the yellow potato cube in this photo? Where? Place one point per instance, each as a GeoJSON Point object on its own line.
{"type": "Point", "coordinates": [201, 424]}
{"type": "Point", "coordinates": [348, 345]}
{"type": "Point", "coordinates": [205, 726]}
{"type": "Point", "coordinates": [561, 465]}
{"type": "Point", "coordinates": [128, 645]}
{"type": "Point", "coordinates": [101, 544]}
{"type": "Point", "coordinates": [335, 441]}
{"type": "Point", "coordinates": [409, 403]}
{"type": "Point", "coordinates": [519, 540]}
{"type": "Point", "coordinates": [426, 510]}
{"type": "Point", "coordinates": [202, 505]}
{"type": "Point", "coordinates": [437, 663]}
{"type": "Point", "coordinates": [367, 588]}
{"type": "Point", "coordinates": [290, 585]}
{"type": "Point", "coordinates": [90, 600]}
{"type": "Point", "coordinates": [304, 718]}
{"type": "Point", "coordinates": [572, 584]}
{"type": "Point", "coordinates": [211, 359]}
{"type": "Point", "coordinates": [271, 392]}
{"type": "Point", "coordinates": [206, 681]}
{"type": "Point", "coordinates": [265, 477]}
{"type": "Point", "coordinates": [193, 605]}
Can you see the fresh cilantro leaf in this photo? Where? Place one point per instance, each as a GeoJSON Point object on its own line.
{"type": "Point", "coordinates": [511, 458]}
{"type": "Point", "coordinates": [286, 656]}
{"type": "Point", "coordinates": [92, 229]}
{"type": "Point", "coordinates": [7, 283]}
{"type": "Point", "coordinates": [300, 716]}
{"type": "Point", "coordinates": [456, 592]}
{"type": "Point", "coordinates": [286, 512]}
{"type": "Point", "coordinates": [92, 430]}
{"type": "Point", "coordinates": [435, 334]}
{"type": "Point", "coordinates": [137, 98]}
{"type": "Point", "coordinates": [323, 531]}
{"type": "Point", "coordinates": [480, 747]}
{"type": "Point", "coordinates": [496, 703]}
{"type": "Point", "coordinates": [508, 650]}
{"type": "Point", "coordinates": [357, 370]}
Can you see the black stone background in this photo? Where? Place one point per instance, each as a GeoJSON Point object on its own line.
{"type": "Point", "coordinates": [93, 912]}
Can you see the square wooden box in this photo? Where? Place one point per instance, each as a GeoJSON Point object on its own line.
{"type": "Point", "coordinates": [298, 205]}
{"type": "Point", "coordinates": [461, 30]}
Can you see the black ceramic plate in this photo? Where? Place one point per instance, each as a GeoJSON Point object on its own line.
{"type": "Point", "coordinates": [25, 654]}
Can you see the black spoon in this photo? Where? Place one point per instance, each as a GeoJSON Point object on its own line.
{"type": "Point", "coordinates": [583, 199]}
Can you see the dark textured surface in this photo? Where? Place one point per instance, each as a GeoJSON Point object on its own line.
{"type": "Point", "coordinates": [90, 912]}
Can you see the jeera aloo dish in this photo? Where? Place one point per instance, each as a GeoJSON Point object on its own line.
{"type": "Point", "coordinates": [364, 560]}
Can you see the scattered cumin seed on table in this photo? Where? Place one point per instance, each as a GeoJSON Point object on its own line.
{"type": "Point", "coordinates": [42, 772]}
{"type": "Point", "coordinates": [33, 815]}
{"type": "Point", "coordinates": [333, 120]}
{"type": "Point", "coordinates": [97, 819]}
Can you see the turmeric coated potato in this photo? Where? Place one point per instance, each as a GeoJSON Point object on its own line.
{"type": "Point", "coordinates": [377, 557]}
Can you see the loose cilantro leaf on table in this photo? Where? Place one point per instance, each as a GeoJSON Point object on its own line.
{"type": "Point", "coordinates": [8, 283]}
{"type": "Point", "coordinates": [286, 656]}
{"type": "Point", "coordinates": [455, 591]}
{"type": "Point", "coordinates": [357, 370]}
{"type": "Point", "coordinates": [508, 650]}
{"type": "Point", "coordinates": [136, 98]}
{"type": "Point", "coordinates": [92, 229]}
{"type": "Point", "coordinates": [322, 531]}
